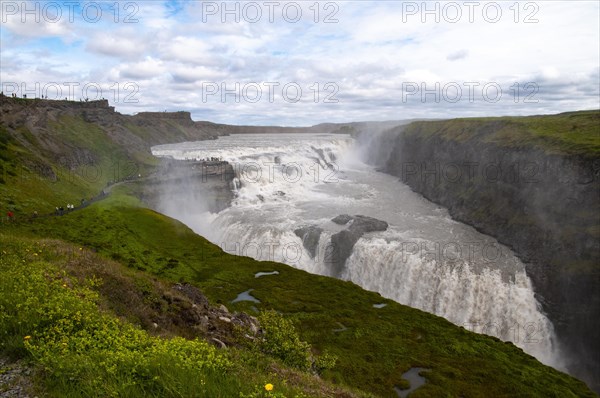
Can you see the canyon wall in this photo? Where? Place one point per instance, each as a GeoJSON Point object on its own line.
{"type": "Point", "coordinates": [533, 184]}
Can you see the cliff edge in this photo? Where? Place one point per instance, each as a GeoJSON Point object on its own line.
{"type": "Point", "coordinates": [533, 183]}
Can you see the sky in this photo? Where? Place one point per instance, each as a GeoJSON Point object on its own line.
{"type": "Point", "coordinates": [306, 62]}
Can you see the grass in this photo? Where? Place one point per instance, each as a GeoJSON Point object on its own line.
{"type": "Point", "coordinates": [571, 133]}
{"type": "Point", "coordinates": [54, 314]}
{"type": "Point", "coordinates": [377, 346]}
{"type": "Point", "coordinates": [121, 281]}
{"type": "Point", "coordinates": [84, 352]}
{"type": "Point", "coordinates": [76, 160]}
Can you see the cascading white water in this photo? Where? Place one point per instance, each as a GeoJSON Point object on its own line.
{"type": "Point", "coordinates": [424, 259]}
{"type": "Point", "coordinates": [481, 301]}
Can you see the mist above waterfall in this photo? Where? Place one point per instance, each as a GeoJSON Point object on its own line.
{"type": "Point", "coordinates": [184, 191]}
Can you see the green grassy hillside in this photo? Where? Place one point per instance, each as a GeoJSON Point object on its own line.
{"type": "Point", "coordinates": [570, 133]}
{"type": "Point", "coordinates": [89, 298]}
{"type": "Point", "coordinates": [376, 345]}
{"type": "Point", "coordinates": [61, 311]}
{"type": "Point", "coordinates": [58, 152]}
{"type": "Point", "coordinates": [39, 172]}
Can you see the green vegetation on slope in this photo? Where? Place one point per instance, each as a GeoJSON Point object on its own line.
{"type": "Point", "coordinates": [375, 346]}
{"type": "Point", "coordinates": [134, 255]}
{"type": "Point", "coordinates": [73, 162]}
{"type": "Point", "coordinates": [52, 315]}
{"type": "Point", "coordinates": [571, 133]}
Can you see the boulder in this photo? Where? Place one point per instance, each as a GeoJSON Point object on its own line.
{"type": "Point", "coordinates": [310, 238]}
{"type": "Point", "coordinates": [343, 242]}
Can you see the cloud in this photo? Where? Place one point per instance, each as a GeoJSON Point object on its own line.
{"type": "Point", "coordinates": [191, 74]}
{"type": "Point", "coordinates": [121, 44]}
{"type": "Point", "coordinates": [188, 50]}
{"type": "Point", "coordinates": [370, 55]}
{"type": "Point", "coordinates": [455, 56]}
{"type": "Point", "coordinates": [146, 69]}
{"type": "Point", "coordinates": [34, 25]}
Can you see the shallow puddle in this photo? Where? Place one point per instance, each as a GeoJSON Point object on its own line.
{"type": "Point", "coordinates": [415, 380]}
{"type": "Point", "coordinates": [245, 296]}
{"type": "Point", "coordinates": [259, 274]}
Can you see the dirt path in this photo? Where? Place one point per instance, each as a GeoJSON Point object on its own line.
{"type": "Point", "coordinates": [102, 195]}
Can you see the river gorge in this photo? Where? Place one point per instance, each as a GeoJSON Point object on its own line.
{"type": "Point", "coordinates": [318, 203]}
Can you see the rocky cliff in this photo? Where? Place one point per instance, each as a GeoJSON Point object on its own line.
{"type": "Point", "coordinates": [56, 152]}
{"type": "Point", "coordinates": [39, 124]}
{"type": "Point", "coordinates": [178, 183]}
{"type": "Point", "coordinates": [534, 184]}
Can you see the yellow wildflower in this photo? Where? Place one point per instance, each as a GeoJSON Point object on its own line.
{"type": "Point", "coordinates": [26, 338]}
{"type": "Point", "coordinates": [269, 387]}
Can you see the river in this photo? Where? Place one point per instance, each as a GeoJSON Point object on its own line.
{"type": "Point", "coordinates": [424, 259]}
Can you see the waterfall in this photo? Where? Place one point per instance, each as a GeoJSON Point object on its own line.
{"type": "Point", "coordinates": [482, 301]}
{"type": "Point", "coordinates": [424, 259]}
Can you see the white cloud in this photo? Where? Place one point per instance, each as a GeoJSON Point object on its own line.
{"type": "Point", "coordinates": [187, 49]}
{"type": "Point", "coordinates": [191, 74]}
{"type": "Point", "coordinates": [369, 54]}
{"type": "Point", "coordinates": [123, 44]}
{"type": "Point", "coordinates": [455, 56]}
{"type": "Point", "coordinates": [35, 23]}
{"type": "Point", "coordinates": [146, 69]}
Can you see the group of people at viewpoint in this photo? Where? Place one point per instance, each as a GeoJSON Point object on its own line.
{"type": "Point", "coordinates": [59, 211]}
{"type": "Point", "coordinates": [209, 159]}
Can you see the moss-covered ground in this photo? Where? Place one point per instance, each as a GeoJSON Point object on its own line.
{"type": "Point", "coordinates": [373, 351]}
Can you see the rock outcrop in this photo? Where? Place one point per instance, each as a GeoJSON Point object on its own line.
{"type": "Point", "coordinates": [343, 242]}
{"type": "Point", "coordinates": [206, 185]}
{"type": "Point", "coordinates": [310, 236]}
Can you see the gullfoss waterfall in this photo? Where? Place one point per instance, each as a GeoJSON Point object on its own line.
{"type": "Point", "coordinates": [290, 190]}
